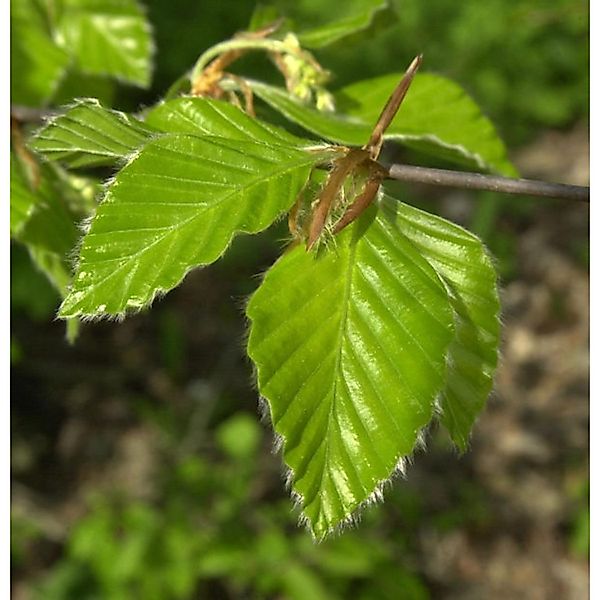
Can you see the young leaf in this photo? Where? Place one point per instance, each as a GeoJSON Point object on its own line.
{"type": "Point", "coordinates": [337, 30]}
{"type": "Point", "coordinates": [175, 206]}
{"type": "Point", "coordinates": [107, 38]}
{"type": "Point", "coordinates": [90, 135]}
{"type": "Point", "coordinates": [350, 349]}
{"type": "Point", "coordinates": [461, 261]}
{"type": "Point", "coordinates": [331, 126]}
{"type": "Point", "coordinates": [204, 116]}
{"type": "Point", "coordinates": [436, 117]}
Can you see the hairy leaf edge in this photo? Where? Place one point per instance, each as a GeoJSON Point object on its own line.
{"type": "Point", "coordinates": [400, 469]}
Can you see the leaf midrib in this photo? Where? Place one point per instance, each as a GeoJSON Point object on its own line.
{"type": "Point", "coordinates": [338, 359]}
{"type": "Point", "coordinates": [256, 181]}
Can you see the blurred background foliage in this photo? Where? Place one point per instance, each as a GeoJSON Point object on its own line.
{"type": "Point", "coordinates": [140, 467]}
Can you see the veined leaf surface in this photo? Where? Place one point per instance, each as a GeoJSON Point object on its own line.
{"type": "Point", "coordinates": [461, 260]}
{"type": "Point", "coordinates": [204, 116]}
{"type": "Point", "coordinates": [175, 206]}
{"type": "Point", "coordinates": [90, 135]}
{"type": "Point", "coordinates": [350, 348]}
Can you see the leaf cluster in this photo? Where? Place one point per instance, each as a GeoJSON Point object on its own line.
{"type": "Point", "coordinates": [361, 342]}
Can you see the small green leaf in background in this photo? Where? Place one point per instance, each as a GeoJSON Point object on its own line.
{"type": "Point", "coordinates": [22, 197]}
{"type": "Point", "coordinates": [43, 222]}
{"type": "Point", "coordinates": [37, 64]}
{"type": "Point", "coordinates": [107, 37]}
{"type": "Point", "coordinates": [175, 206]}
{"type": "Point", "coordinates": [462, 262]}
{"type": "Point", "coordinates": [50, 231]}
{"type": "Point", "coordinates": [89, 135]}
{"type": "Point", "coordinates": [334, 31]}
{"type": "Point", "coordinates": [350, 348]}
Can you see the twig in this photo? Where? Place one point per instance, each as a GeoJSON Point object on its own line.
{"type": "Point", "coordinates": [493, 183]}
{"type": "Point", "coordinates": [412, 174]}
{"type": "Point", "coordinates": [29, 114]}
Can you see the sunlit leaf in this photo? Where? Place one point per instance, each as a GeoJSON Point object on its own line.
{"type": "Point", "coordinates": [89, 135]}
{"type": "Point", "coordinates": [175, 206]}
{"type": "Point", "coordinates": [203, 116]}
{"type": "Point", "coordinates": [462, 262]}
{"type": "Point", "coordinates": [350, 348]}
{"type": "Point", "coordinates": [107, 37]}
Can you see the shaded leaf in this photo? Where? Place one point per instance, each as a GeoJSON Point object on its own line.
{"type": "Point", "coordinates": [331, 126]}
{"type": "Point", "coordinates": [50, 233]}
{"type": "Point", "coordinates": [79, 85]}
{"type": "Point", "coordinates": [350, 349]}
{"type": "Point", "coordinates": [175, 206]}
{"type": "Point", "coordinates": [43, 222]}
{"type": "Point", "coordinates": [335, 31]}
{"type": "Point", "coordinates": [22, 198]}
{"type": "Point", "coordinates": [90, 135]}
{"type": "Point", "coordinates": [462, 262]}
{"type": "Point", "coordinates": [107, 37]}
{"type": "Point", "coordinates": [436, 117]}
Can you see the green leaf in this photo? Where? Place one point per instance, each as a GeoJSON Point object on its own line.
{"type": "Point", "coordinates": [350, 349]}
{"type": "Point", "coordinates": [436, 117]}
{"type": "Point", "coordinates": [335, 31]}
{"type": "Point", "coordinates": [90, 135]}
{"type": "Point", "coordinates": [462, 262]}
{"type": "Point", "coordinates": [78, 85]}
{"type": "Point", "coordinates": [203, 116]}
{"type": "Point", "coordinates": [331, 126]}
{"type": "Point", "coordinates": [43, 222]}
{"type": "Point", "coordinates": [175, 206]}
{"type": "Point", "coordinates": [107, 37]}
{"type": "Point", "coordinates": [50, 233]}
{"type": "Point", "coordinates": [37, 64]}
{"type": "Point", "coordinates": [22, 198]}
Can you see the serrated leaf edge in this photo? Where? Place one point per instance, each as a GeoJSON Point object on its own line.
{"type": "Point", "coordinates": [399, 470]}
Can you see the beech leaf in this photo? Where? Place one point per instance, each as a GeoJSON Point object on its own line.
{"type": "Point", "coordinates": [462, 262]}
{"type": "Point", "coordinates": [89, 135]}
{"type": "Point", "coordinates": [204, 116]}
{"type": "Point", "coordinates": [107, 38]}
{"type": "Point", "coordinates": [175, 206]}
{"type": "Point", "coordinates": [350, 349]}
{"type": "Point", "coordinates": [334, 31]}
{"type": "Point", "coordinates": [436, 117]}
